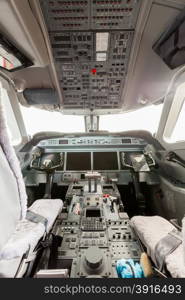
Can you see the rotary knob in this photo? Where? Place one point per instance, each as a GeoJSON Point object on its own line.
{"type": "Point", "coordinates": [93, 257]}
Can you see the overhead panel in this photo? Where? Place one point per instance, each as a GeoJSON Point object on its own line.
{"type": "Point", "coordinates": [91, 43]}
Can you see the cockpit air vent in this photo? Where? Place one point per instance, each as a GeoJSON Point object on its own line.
{"type": "Point", "coordinates": [91, 42]}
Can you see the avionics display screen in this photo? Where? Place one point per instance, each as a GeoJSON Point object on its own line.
{"type": "Point", "coordinates": [63, 142]}
{"type": "Point", "coordinates": [105, 161]}
{"type": "Point", "coordinates": [78, 161]}
{"type": "Point", "coordinates": [93, 213]}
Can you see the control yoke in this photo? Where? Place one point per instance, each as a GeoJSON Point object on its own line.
{"type": "Point", "coordinates": [47, 163]}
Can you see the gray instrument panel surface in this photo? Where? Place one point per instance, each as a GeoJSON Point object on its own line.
{"type": "Point", "coordinates": [92, 141]}
{"type": "Point", "coordinates": [94, 244]}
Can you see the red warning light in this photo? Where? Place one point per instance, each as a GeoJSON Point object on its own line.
{"type": "Point", "coordinates": [106, 196]}
{"type": "Point", "coordinates": [93, 71]}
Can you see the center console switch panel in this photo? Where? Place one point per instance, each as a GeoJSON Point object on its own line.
{"type": "Point", "coordinates": [93, 235]}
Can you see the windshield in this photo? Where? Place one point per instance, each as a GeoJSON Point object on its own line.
{"type": "Point", "coordinates": [142, 119]}
{"type": "Point", "coordinates": [37, 120]}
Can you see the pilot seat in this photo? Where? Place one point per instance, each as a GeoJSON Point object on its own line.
{"type": "Point", "coordinates": [21, 228]}
{"type": "Point", "coordinates": [164, 244]}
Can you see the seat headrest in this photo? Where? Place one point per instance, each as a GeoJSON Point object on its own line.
{"type": "Point", "coordinates": [12, 158]}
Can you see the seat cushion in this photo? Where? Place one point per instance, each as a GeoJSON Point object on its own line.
{"type": "Point", "coordinates": [151, 230]}
{"type": "Point", "coordinates": [8, 268]}
{"type": "Point", "coordinates": [27, 233]}
{"type": "Point", "coordinates": [49, 209]}
{"type": "Point", "coordinates": [25, 237]}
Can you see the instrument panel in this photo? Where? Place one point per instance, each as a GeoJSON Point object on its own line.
{"type": "Point", "coordinates": [97, 141]}
{"type": "Point", "coordinates": [112, 156]}
{"type": "Point", "coordinates": [98, 153]}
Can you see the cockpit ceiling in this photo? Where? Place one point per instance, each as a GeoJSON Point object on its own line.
{"type": "Point", "coordinates": [91, 43]}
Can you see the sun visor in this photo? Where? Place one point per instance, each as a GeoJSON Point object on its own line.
{"type": "Point", "coordinates": [11, 58]}
{"type": "Point", "coordinates": [171, 45]}
{"type": "Point", "coordinates": [41, 96]}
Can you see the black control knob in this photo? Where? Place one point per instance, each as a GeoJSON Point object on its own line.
{"type": "Point", "coordinates": [93, 257]}
{"type": "Point", "coordinates": [105, 200]}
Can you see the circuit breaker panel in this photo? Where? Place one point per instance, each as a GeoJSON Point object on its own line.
{"type": "Point", "coordinates": [91, 42]}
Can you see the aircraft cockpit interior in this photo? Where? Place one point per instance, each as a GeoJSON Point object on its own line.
{"type": "Point", "coordinates": [92, 203]}
{"type": "Point", "coordinates": [104, 181]}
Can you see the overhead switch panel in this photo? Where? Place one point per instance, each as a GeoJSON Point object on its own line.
{"type": "Point", "coordinates": [91, 43]}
